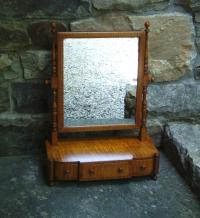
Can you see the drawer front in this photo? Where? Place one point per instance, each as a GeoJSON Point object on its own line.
{"type": "Point", "coordinates": [105, 170]}
{"type": "Point", "coordinates": [66, 171]}
{"type": "Point", "coordinates": [142, 167]}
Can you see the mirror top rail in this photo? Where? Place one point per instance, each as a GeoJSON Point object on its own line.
{"type": "Point", "coordinates": [62, 35]}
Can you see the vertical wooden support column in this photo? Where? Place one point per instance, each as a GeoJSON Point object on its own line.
{"type": "Point", "coordinates": [155, 166]}
{"type": "Point", "coordinates": [143, 130]}
{"type": "Point", "coordinates": [54, 132]}
{"type": "Point", "coordinates": [50, 173]}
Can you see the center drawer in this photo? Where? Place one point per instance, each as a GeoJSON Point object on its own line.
{"type": "Point", "coordinates": [105, 170]}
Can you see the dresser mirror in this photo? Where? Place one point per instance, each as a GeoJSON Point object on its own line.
{"type": "Point", "coordinates": [100, 80]}
{"type": "Point", "coordinates": [99, 83]}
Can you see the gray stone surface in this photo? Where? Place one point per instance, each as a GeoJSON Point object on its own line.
{"type": "Point", "coordinates": [197, 42]}
{"type": "Point", "coordinates": [171, 40]}
{"type": "Point", "coordinates": [197, 17]}
{"type": "Point", "coordinates": [36, 64]}
{"type": "Point", "coordinates": [83, 11]}
{"type": "Point", "coordinates": [109, 22]}
{"type": "Point", "coordinates": [181, 2]}
{"type": "Point", "coordinates": [10, 66]}
{"type": "Point", "coordinates": [41, 35]}
{"type": "Point", "coordinates": [171, 44]}
{"type": "Point", "coordinates": [30, 98]}
{"type": "Point", "coordinates": [194, 4]}
{"type": "Point", "coordinates": [197, 73]}
{"type": "Point", "coordinates": [155, 129]}
{"type": "Point", "coordinates": [13, 35]}
{"type": "Point", "coordinates": [174, 100]}
{"type": "Point", "coordinates": [22, 134]}
{"type": "Point", "coordinates": [125, 4]}
{"type": "Point", "coordinates": [197, 69]}
{"type": "Point", "coordinates": [4, 96]}
{"type": "Point", "coordinates": [197, 27]}
{"type": "Point", "coordinates": [40, 9]}
{"type": "Point", "coordinates": [182, 144]}
{"type": "Point", "coordinates": [23, 193]}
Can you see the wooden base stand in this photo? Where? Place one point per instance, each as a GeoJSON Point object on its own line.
{"type": "Point", "coordinates": [101, 159]}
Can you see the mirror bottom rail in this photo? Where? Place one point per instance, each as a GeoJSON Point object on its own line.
{"type": "Point", "coordinates": [101, 159]}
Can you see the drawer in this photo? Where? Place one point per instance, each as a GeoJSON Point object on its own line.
{"type": "Point", "coordinates": [105, 170]}
{"type": "Point", "coordinates": [142, 167]}
{"type": "Point", "coordinates": [66, 171]}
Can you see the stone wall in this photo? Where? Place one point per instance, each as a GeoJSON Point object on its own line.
{"type": "Point", "coordinates": [25, 42]}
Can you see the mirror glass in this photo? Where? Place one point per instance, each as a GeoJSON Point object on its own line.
{"type": "Point", "coordinates": [100, 80]}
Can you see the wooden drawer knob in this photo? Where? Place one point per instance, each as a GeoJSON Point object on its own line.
{"type": "Point", "coordinates": [66, 172]}
{"type": "Point", "coordinates": [142, 168]}
{"type": "Point", "coordinates": [91, 172]}
{"type": "Point", "coordinates": [120, 170]}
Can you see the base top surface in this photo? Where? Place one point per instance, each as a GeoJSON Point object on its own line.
{"type": "Point", "coordinates": [100, 149]}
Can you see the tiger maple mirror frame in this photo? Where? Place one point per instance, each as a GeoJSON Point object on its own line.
{"type": "Point", "coordinates": [105, 157]}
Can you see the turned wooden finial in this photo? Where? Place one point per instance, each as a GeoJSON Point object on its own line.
{"type": "Point", "coordinates": [54, 132]}
{"type": "Point", "coordinates": [147, 26]}
{"type": "Point", "coordinates": [53, 27]}
{"type": "Point", "coordinates": [147, 78]}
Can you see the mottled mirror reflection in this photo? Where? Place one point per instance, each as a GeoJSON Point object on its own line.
{"type": "Point", "coordinates": [100, 79]}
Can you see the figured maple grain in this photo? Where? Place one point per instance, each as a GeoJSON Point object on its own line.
{"type": "Point", "coordinates": [100, 149]}
{"type": "Point", "coordinates": [105, 170]}
{"type": "Point", "coordinates": [102, 158]}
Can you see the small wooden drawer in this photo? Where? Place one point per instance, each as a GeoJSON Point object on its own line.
{"type": "Point", "coordinates": [66, 171]}
{"type": "Point", "coordinates": [142, 167]}
{"type": "Point", "coordinates": [105, 170]}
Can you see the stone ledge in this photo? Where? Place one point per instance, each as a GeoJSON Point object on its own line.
{"type": "Point", "coordinates": [174, 100]}
{"type": "Point", "coordinates": [181, 143]}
